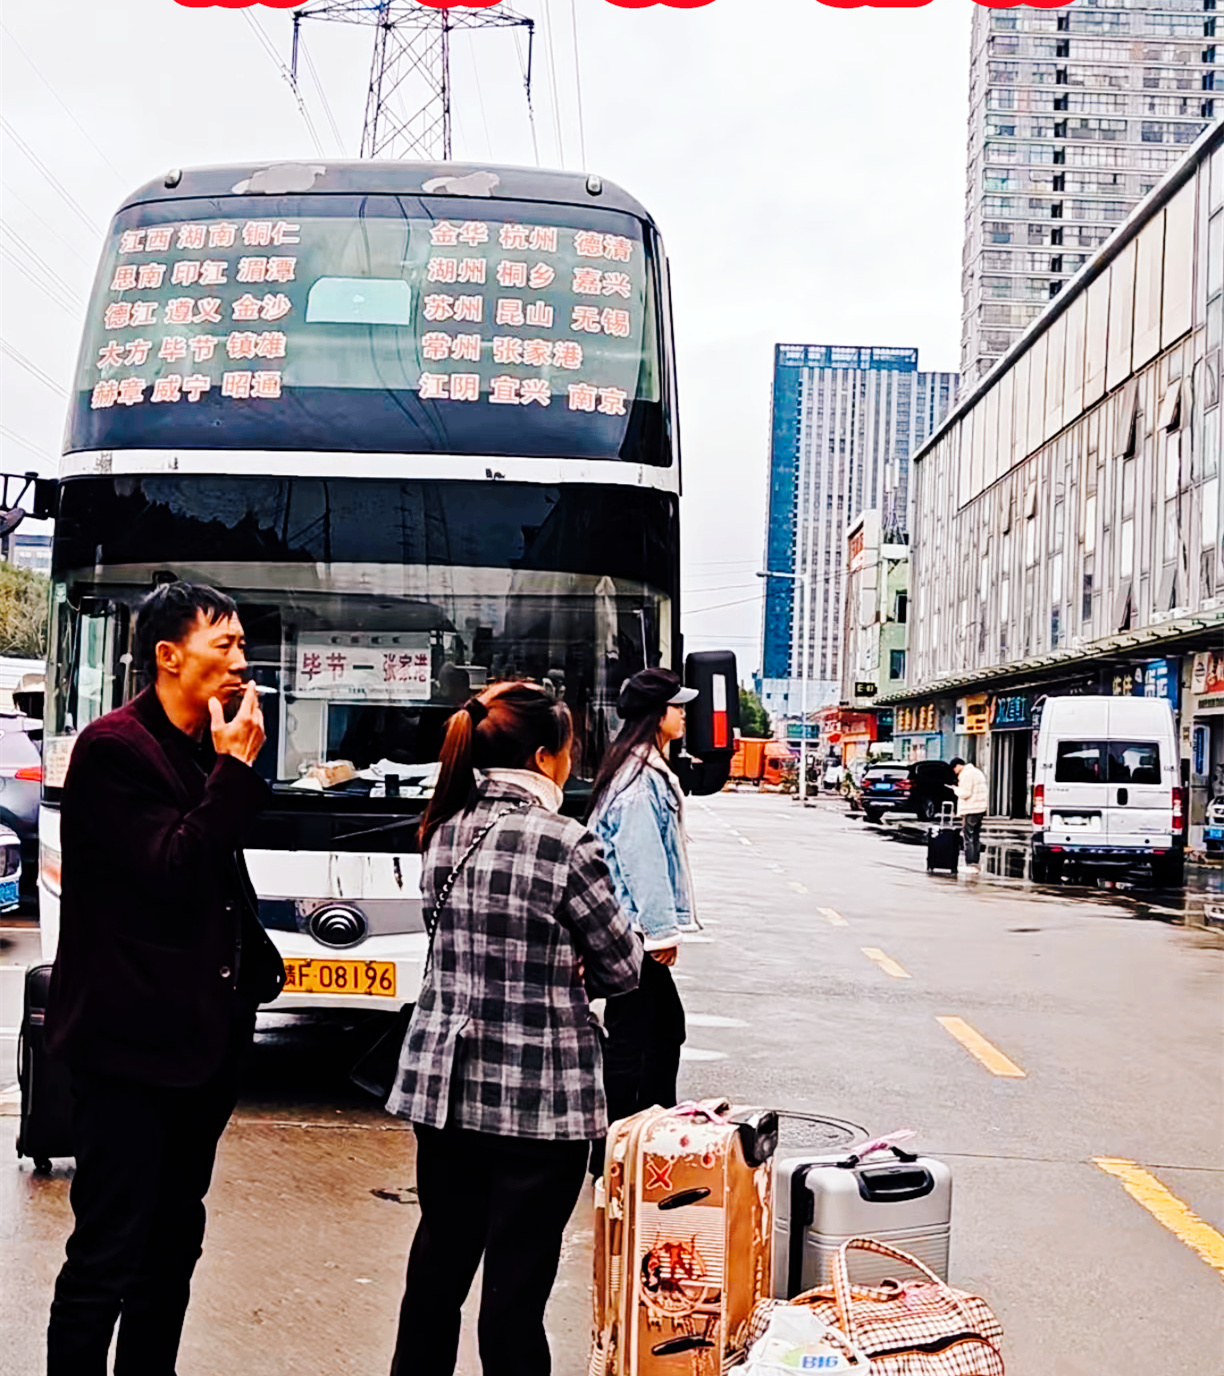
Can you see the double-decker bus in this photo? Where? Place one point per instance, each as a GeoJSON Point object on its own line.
{"type": "Point", "coordinates": [420, 422]}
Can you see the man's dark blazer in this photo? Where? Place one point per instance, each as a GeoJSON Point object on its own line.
{"type": "Point", "coordinates": [160, 947]}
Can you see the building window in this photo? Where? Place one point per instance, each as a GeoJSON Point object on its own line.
{"type": "Point", "coordinates": [896, 664]}
{"type": "Point", "coordinates": [902, 608]}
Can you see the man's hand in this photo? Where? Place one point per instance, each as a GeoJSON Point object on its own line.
{"type": "Point", "coordinates": [667, 956]}
{"type": "Point", "coordinates": [244, 736]}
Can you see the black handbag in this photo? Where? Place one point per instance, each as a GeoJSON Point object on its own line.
{"type": "Point", "coordinates": [376, 1069]}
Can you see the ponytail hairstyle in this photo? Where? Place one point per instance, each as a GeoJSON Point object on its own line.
{"type": "Point", "coordinates": [501, 728]}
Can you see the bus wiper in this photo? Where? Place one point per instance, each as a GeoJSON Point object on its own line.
{"type": "Point", "coordinates": [373, 831]}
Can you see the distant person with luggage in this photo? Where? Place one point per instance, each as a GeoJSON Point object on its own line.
{"type": "Point", "coordinates": [637, 811]}
{"type": "Point", "coordinates": [970, 790]}
{"type": "Point", "coordinates": [161, 964]}
{"type": "Point", "coordinates": [500, 1072]}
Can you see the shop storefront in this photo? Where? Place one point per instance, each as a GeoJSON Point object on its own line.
{"type": "Point", "coordinates": [1010, 722]}
{"type": "Point", "coordinates": [1205, 718]}
{"type": "Point", "coordinates": [916, 732]}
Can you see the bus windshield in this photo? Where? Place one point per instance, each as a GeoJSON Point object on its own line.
{"type": "Point", "coordinates": [374, 323]}
{"type": "Point", "coordinates": [372, 607]}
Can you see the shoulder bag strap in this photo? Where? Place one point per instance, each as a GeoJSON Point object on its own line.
{"type": "Point", "coordinates": [431, 922]}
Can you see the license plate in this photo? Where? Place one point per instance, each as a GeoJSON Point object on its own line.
{"type": "Point", "coordinates": [1215, 833]}
{"type": "Point", "coordinates": [8, 892]}
{"type": "Point", "coordinates": [373, 977]}
{"type": "Point", "coordinates": [1073, 823]}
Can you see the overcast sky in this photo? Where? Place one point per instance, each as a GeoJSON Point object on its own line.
{"type": "Point", "coordinates": [805, 165]}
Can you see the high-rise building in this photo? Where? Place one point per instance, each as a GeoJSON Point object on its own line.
{"type": "Point", "coordinates": [845, 422]}
{"type": "Point", "coordinates": [1074, 115]}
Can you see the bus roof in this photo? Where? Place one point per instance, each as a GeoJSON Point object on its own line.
{"type": "Point", "coordinates": [368, 177]}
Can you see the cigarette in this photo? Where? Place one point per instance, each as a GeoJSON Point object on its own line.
{"type": "Point", "coordinates": [261, 689]}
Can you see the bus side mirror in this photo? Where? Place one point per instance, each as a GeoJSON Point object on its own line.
{"type": "Point", "coordinates": [711, 719]}
{"type": "Point", "coordinates": [46, 493]}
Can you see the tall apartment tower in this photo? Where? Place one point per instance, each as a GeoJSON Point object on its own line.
{"type": "Point", "coordinates": [845, 422]}
{"type": "Point", "coordinates": [1074, 115]}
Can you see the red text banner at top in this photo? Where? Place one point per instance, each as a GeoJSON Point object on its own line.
{"type": "Point", "coordinates": [641, 4]}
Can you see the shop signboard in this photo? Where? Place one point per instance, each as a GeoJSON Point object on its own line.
{"type": "Point", "coordinates": [1011, 712]}
{"type": "Point", "coordinates": [1207, 677]}
{"type": "Point", "coordinates": [1156, 678]}
{"type": "Point", "coordinates": [972, 715]}
{"type": "Point", "coordinates": [921, 720]}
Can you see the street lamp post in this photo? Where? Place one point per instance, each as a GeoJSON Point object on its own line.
{"type": "Point", "coordinates": [803, 680]}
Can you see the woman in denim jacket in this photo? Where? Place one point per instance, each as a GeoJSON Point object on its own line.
{"type": "Point", "coordinates": [637, 811]}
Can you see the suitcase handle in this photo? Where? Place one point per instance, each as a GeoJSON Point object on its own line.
{"type": "Point", "coordinates": [890, 1185]}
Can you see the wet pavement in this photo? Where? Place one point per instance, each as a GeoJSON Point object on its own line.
{"type": "Point", "coordinates": [828, 958]}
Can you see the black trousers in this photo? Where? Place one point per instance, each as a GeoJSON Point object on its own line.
{"type": "Point", "coordinates": [144, 1160]}
{"type": "Point", "coordinates": [641, 1054]}
{"type": "Point", "coordinates": [508, 1199]}
{"type": "Point", "coordinates": [972, 826]}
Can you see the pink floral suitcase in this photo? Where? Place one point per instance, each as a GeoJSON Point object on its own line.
{"type": "Point", "coordinates": [682, 1239]}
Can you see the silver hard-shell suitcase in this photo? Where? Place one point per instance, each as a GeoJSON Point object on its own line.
{"type": "Point", "coordinates": [820, 1201]}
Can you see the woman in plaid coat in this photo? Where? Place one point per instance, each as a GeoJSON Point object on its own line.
{"type": "Point", "coordinates": [500, 1073]}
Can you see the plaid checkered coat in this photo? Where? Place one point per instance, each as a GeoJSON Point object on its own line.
{"type": "Point", "coordinates": [502, 1039]}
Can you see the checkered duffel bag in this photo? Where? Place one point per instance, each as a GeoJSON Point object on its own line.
{"type": "Point", "coordinates": [919, 1328]}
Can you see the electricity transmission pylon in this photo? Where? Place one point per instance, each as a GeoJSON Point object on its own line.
{"type": "Point", "coordinates": [408, 105]}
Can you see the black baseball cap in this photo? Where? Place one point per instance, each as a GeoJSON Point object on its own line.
{"type": "Point", "coordinates": [651, 691]}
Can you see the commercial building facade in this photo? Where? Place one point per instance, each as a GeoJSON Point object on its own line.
{"type": "Point", "coordinates": [1075, 114]}
{"type": "Point", "coordinates": [1067, 518]}
{"type": "Point", "coordinates": [845, 423]}
{"type": "Point", "coordinates": [877, 600]}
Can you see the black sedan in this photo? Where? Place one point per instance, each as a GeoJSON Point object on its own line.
{"type": "Point", "coordinates": [921, 788]}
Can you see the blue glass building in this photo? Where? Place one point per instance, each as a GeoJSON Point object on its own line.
{"type": "Point", "coordinates": [845, 422]}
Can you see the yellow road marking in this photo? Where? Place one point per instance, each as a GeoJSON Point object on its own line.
{"type": "Point", "coordinates": [977, 1045]}
{"type": "Point", "coordinates": [798, 888]}
{"type": "Point", "coordinates": [1166, 1209]}
{"type": "Point", "coordinates": [886, 963]}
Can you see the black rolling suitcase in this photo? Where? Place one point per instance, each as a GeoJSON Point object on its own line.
{"type": "Point", "coordinates": [45, 1128]}
{"type": "Point", "coordinates": [944, 843]}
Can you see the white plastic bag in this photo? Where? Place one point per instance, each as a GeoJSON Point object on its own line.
{"type": "Point", "coordinates": [796, 1340]}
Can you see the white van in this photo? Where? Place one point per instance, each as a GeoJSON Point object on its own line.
{"type": "Point", "coordinates": [1106, 792]}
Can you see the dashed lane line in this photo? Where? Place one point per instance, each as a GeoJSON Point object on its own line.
{"type": "Point", "coordinates": [797, 886]}
{"type": "Point", "coordinates": [886, 963]}
{"type": "Point", "coordinates": [833, 917]}
{"type": "Point", "coordinates": [712, 1020]}
{"type": "Point", "coordinates": [1166, 1209]}
{"type": "Point", "coordinates": [977, 1046]}
{"type": "Point", "coordinates": [697, 1053]}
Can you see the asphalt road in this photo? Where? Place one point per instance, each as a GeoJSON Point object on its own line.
{"type": "Point", "coordinates": [828, 959]}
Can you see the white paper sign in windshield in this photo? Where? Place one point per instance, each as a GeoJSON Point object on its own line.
{"type": "Point", "coordinates": [363, 667]}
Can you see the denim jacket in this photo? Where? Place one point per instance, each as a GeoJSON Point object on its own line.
{"type": "Point", "coordinates": [641, 824]}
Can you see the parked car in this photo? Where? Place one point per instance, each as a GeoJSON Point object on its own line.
{"type": "Point", "coordinates": [921, 788]}
{"type": "Point", "coordinates": [832, 776]}
{"type": "Point", "coordinates": [1106, 793]}
{"type": "Point", "coordinates": [10, 870]}
{"type": "Point", "coordinates": [20, 786]}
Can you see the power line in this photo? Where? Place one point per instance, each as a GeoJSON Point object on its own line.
{"type": "Point", "coordinates": [48, 291]}
{"type": "Point", "coordinates": [525, 69]}
{"type": "Point", "coordinates": [85, 132]}
{"type": "Point", "coordinates": [50, 176]}
{"type": "Point", "coordinates": [552, 69]}
{"type": "Point", "coordinates": [46, 224]}
{"type": "Point", "coordinates": [285, 73]}
{"type": "Point", "coordinates": [25, 444]}
{"type": "Point", "coordinates": [68, 290]}
{"type": "Point", "coordinates": [327, 110]}
{"type": "Point", "coordinates": [718, 606]}
{"type": "Point", "coordinates": [19, 358]}
{"type": "Point", "coordinates": [578, 82]}
{"type": "Point", "coordinates": [484, 118]}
